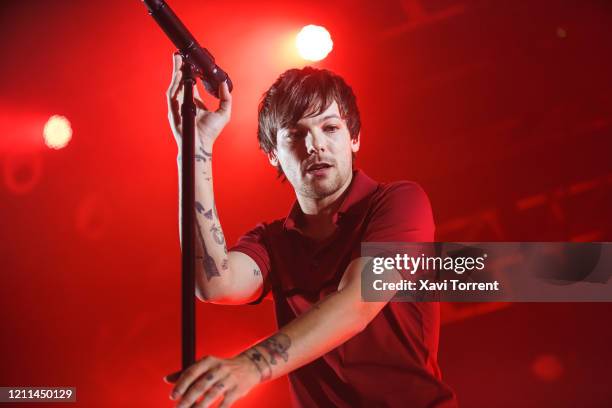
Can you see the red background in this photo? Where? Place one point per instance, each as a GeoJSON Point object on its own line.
{"type": "Point", "coordinates": [502, 111]}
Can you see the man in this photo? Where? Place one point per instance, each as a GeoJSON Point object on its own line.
{"type": "Point", "coordinates": [336, 349]}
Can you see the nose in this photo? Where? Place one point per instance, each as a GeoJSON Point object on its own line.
{"type": "Point", "coordinates": [315, 142]}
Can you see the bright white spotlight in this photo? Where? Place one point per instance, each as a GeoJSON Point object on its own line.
{"type": "Point", "coordinates": [57, 132]}
{"type": "Point", "coordinates": [314, 43]}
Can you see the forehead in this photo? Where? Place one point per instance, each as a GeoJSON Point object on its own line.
{"type": "Point", "coordinates": [332, 111]}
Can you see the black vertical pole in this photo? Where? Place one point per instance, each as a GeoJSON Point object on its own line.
{"type": "Point", "coordinates": [188, 111]}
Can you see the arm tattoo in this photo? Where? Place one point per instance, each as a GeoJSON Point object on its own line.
{"type": "Point", "coordinates": [277, 347]}
{"type": "Point", "coordinates": [208, 263]}
{"type": "Point", "coordinates": [205, 153]}
{"type": "Point", "coordinates": [256, 272]}
{"type": "Point", "coordinates": [217, 234]}
{"type": "Point", "coordinates": [260, 362]}
{"type": "Point", "coordinates": [203, 157]}
{"type": "Point", "coordinates": [224, 264]}
{"type": "Point", "coordinates": [200, 208]}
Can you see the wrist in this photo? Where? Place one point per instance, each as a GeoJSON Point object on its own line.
{"type": "Point", "coordinates": [206, 142]}
{"type": "Point", "coordinates": [252, 376]}
{"type": "Point", "coordinates": [256, 364]}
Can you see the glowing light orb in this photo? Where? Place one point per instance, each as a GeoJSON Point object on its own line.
{"type": "Point", "coordinates": [57, 132]}
{"type": "Point", "coordinates": [547, 367]}
{"type": "Point", "coordinates": [314, 43]}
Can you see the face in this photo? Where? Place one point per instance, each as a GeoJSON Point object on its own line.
{"type": "Point", "coordinates": [316, 154]}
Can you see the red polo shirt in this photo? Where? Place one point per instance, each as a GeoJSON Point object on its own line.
{"type": "Point", "coordinates": [393, 361]}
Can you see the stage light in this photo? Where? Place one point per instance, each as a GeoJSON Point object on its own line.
{"type": "Point", "coordinates": [314, 43]}
{"type": "Point", "coordinates": [561, 32]}
{"type": "Point", "coordinates": [57, 132]}
{"type": "Point", "coordinates": [547, 367]}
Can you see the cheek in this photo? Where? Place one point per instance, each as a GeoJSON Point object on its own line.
{"type": "Point", "coordinates": [345, 148]}
{"type": "Point", "coordinates": [293, 153]}
{"type": "Point", "coordinates": [288, 161]}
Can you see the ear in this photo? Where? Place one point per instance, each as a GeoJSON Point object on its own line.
{"type": "Point", "coordinates": [355, 143]}
{"type": "Point", "coordinates": [273, 158]}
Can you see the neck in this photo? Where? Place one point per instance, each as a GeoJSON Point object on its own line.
{"type": "Point", "coordinates": [320, 212]}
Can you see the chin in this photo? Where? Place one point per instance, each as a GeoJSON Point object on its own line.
{"type": "Point", "coordinates": [322, 188]}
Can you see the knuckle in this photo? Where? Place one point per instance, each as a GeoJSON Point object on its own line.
{"type": "Point", "coordinates": [222, 371]}
{"type": "Point", "coordinates": [186, 378]}
{"type": "Point", "coordinates": [189, 372]}
{"type": "Point", "coordinates": [192, 395]}
{"type": "Point", "coordinates": [209, 397]}
{"type": "Point", "coordinates": [207, 359]}
{"type": "Point", "coordinates": [200, 387]}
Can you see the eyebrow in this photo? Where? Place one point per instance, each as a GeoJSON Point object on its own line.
{"type": "Point", "coordinates": [323, 119]}
{"type": "Point", "coordinates": [332, 116]}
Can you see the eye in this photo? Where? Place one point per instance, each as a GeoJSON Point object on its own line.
{"type": "Point", "coordinates": [290, 133]}
{"type": "Point", "coordinates": [295, 134]}
{"type": "Point", "coordinates": [331, 128]}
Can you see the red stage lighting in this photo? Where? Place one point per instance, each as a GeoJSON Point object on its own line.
{"type": "Point", "coordinates": [547, 367]}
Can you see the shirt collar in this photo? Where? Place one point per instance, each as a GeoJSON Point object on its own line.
{"type": "Point", "coordinates": [361, 186]}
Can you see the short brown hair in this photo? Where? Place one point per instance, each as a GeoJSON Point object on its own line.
{"type": "Point", "coordinates": [299, 93]}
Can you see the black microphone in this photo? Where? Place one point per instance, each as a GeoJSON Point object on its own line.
{"type": "Point", "coordinates": [199, 58]}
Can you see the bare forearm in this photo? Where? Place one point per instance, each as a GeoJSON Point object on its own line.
{"type": "Point", "coordinates": [212, 266]}
{"type": "Point", "coordinates": [324, 327]}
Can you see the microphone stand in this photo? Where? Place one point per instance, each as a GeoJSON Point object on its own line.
{"type": "Point", "coordinates": [197, 61]}
{"type": "Point", "coordinates": [188, 115]}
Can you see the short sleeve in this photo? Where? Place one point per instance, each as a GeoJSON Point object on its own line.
{"type": "Point", "coordinates": [402, 213]}
{"type": "Point", "coordinates": [253, 244]}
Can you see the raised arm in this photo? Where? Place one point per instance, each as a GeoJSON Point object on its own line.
{"type": "Point", "coordinates": [221, 277]}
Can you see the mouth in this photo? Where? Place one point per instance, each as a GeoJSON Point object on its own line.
{"type": "Point", "coordinates": [319, 168]}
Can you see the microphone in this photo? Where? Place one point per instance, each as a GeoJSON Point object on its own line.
{"type": "Point", "coordinates": [199, 58]}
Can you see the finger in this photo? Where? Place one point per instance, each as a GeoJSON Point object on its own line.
{"type": "Point", "coordinates": [171, 378]}
{"type": "Point", "coordinates": [196, 91]}
{"type": "Point", "coordinates": [174, 93]}
{"type": "Point", "coordinates": [178, 93]}
{"type": "Point", "coordinates": [229, 398]}
{"type": "Point", "coordinates": [177, 75]}
{"type": "Point", "coordinates": [204, 384]}
{"type": "Point", "coordinates": [225, 99]}
{"type": "Point", "coordinates": [200, 104]}
{"type": "Point", "coordinates": [190, 375]}
{"type": "Point", "coordinates": [198, 100]}
{"type": "Point", "coordinates": [174, 116]}
{"type": "Point", "coordinates": [216, 390]}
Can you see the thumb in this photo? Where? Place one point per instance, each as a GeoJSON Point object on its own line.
{"type": "Point", "coordinates": [225, 99]}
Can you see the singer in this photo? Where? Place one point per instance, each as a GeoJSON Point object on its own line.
{"type": "Point", "coordinates": [337, 350]}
